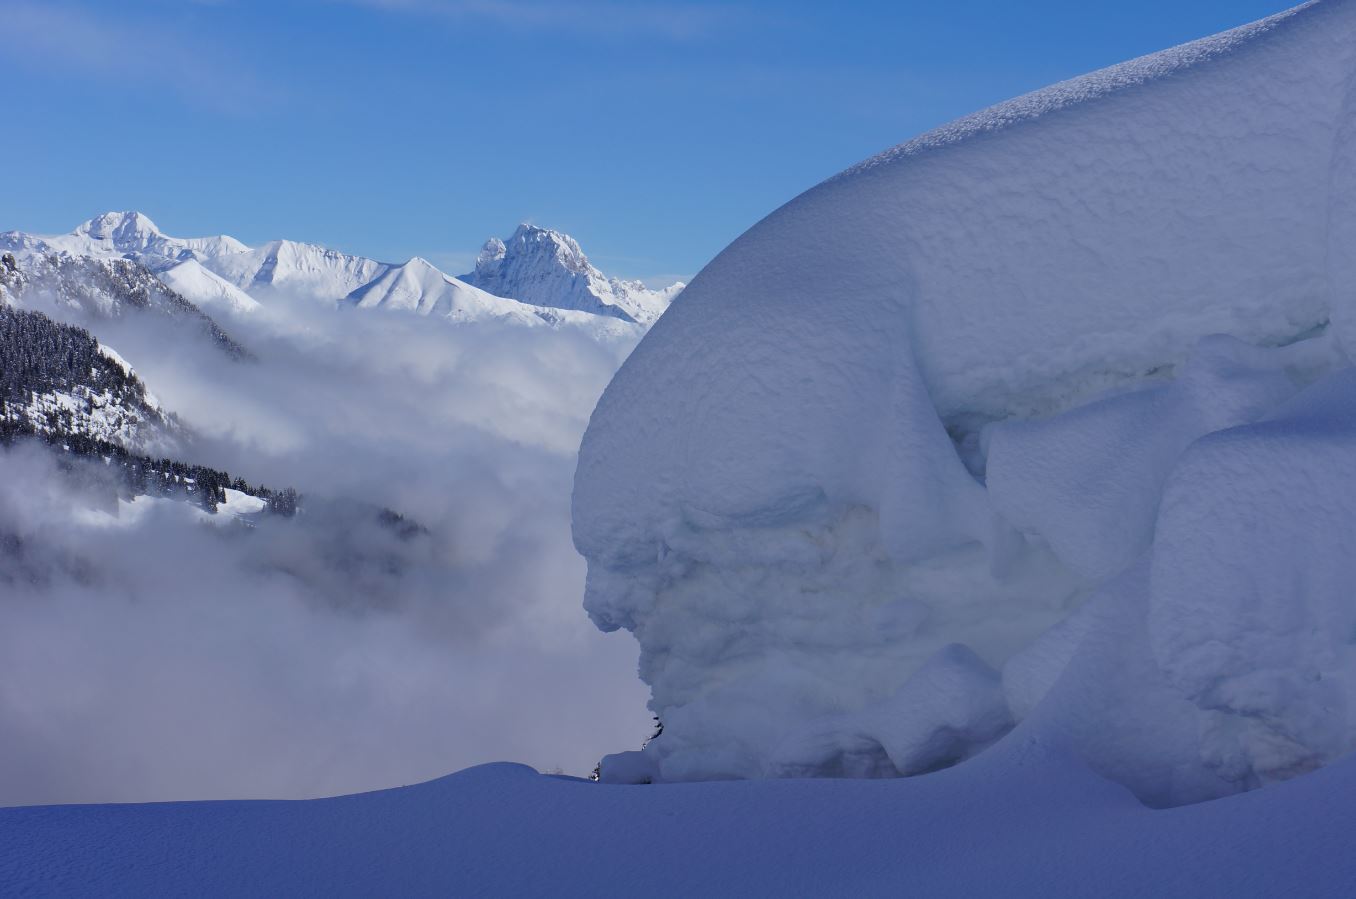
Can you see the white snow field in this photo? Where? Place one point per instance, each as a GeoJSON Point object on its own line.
{"type": "Point", "coordinates": [1025, 445]}
{"type": "Point", "coordinates": [207, 289]}
{"type": "Point", "coordinates": [1041, 417]}
{"type": "Point", "coordinates": [1014, 823]}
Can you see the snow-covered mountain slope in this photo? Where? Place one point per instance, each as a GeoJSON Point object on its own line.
{"type": "Point", "coordinates": [58, 381]}
{"type": "Point", "coordinates": [976, 383]}
{"type": "Point", "coordinates": [122, 234]}
{"type": "Point", "coordinates": [93, 288]}
{"type": "Point", "coordinates": [297, 269]}
{"type": "Point", "coordinates": [207, 289]}
{"type": "Point", "coordinates": [419, 287]}
{"type": "Point", "coordinates": [1034, 824]}
{"type": "Point", "coordinates": [547, 268]}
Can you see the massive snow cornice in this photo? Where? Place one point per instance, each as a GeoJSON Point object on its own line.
{"type": "Point", "coordinates": [803, 430]}
{"type": "Point", "coordinates": [1007, 264]}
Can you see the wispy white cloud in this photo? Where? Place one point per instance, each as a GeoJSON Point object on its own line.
{"type": "Point", "coordinates": [674, 21]}
{"type": "Point", "coordinates": [62, 39]}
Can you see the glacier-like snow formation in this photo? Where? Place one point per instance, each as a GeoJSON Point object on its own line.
{"type": "Point", "coordinates": [1033, 425]}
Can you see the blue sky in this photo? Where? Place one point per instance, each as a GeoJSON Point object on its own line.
{"type": "Point", "coordinates": [653, 132]}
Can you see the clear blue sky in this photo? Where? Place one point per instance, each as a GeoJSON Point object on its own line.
{"type": "Point", "coordinates": [655, 133]}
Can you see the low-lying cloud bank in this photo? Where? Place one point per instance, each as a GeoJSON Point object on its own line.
{"type": "Point", "coordinates": [146, 653]}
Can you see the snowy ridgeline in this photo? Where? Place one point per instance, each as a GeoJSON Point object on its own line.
{"type": "Point", "coordinates": [539, 277]}
{"type": "Point", "coordinates": [1041, 421]}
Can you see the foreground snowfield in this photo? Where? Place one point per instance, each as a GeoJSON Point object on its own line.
{"type": "Point", "coordinates": [1023, 823]}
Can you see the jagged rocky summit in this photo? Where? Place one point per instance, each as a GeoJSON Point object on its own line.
{"type": "Point", "coordinates": [548, 268]}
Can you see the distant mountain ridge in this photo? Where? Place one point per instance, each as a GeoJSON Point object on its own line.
{"type": "Point", "coordinates": [288, 266]}
{"type": "Point", "coordinates": [129, 235]}
{"type": "Point", "coordinates": [537, 276]}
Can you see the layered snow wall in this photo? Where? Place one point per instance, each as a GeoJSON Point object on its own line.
{"type": "Point", "coordinates": [1036, 421]}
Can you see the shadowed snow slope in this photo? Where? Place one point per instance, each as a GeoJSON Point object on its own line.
{"type": "Point", "coordinates": [783, 491]}
{"type": "Point", "coordinates": [1031, 824]}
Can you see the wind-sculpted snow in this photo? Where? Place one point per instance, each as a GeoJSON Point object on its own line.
{"type": "Point", "coordinates": [962, 389]}
{"type": "Point", "coordinates": [1251, 611]}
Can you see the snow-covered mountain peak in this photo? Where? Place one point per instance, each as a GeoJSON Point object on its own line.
{"type": "Point", "coordinates": [132, 233]}
{"type": "Point", "coordinates": [491, 254]}
{"type": "Point", "coordinates": [122, 228]}
{"type": "Point", "coordinates": [563, 249]}
{"type": "Point", "coordinates": [548, 268]}
{"type": "Point", "coordinates": [420, 264]}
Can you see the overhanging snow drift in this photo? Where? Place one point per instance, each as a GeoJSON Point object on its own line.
{"type": "Point", "coordinates": [783, 492]}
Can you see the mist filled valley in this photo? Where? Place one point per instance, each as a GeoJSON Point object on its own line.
{"type": "Point", "coordinates": [156, 644]}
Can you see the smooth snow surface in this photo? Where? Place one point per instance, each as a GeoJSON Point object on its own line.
{"type": "Point", "coordinates": [1069, 373]}
{"type": "Point", "coordinates": [1031, 822]}
{"type": "Point", "coordinates": [208, 290]}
